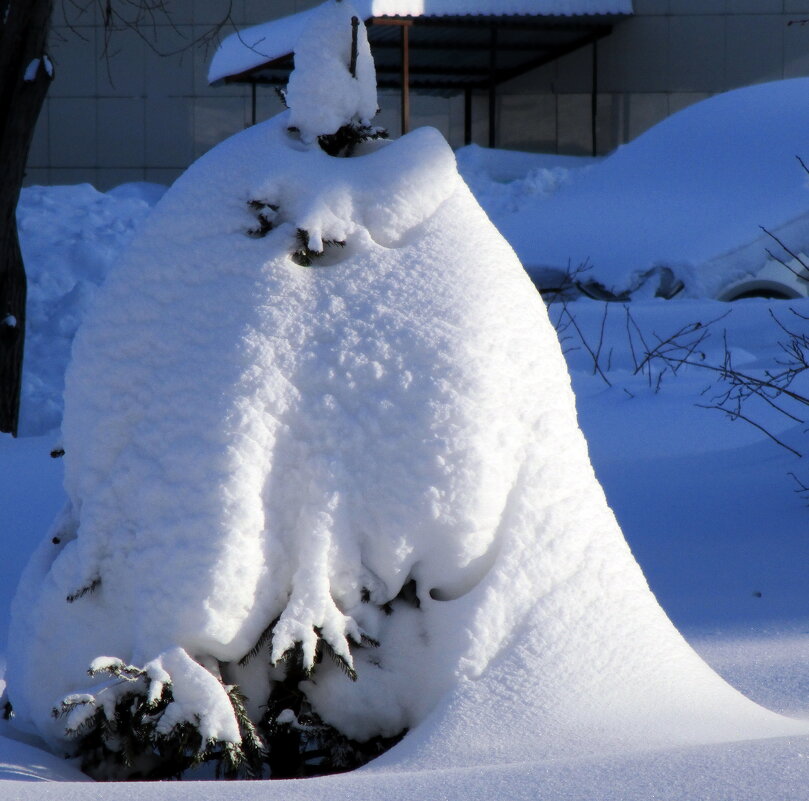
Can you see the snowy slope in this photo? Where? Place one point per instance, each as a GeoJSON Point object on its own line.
{"type": "Point", "coordinates": [219, 386]}
{"type": "Point", "coordinates": [704, 548]}
{"type": "Point", "coordinates": [618, 707]}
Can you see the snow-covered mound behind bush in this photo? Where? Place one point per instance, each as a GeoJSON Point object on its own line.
{"type": "Point", "coordinates": [319, 408]}
{"type": "Point", "coordinates": [69, 236]}
{"type": "Point", "coordinates": [688, 196]}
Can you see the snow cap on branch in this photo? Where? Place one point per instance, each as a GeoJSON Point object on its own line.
{"type": "Point", "coordinates": [323, 95]}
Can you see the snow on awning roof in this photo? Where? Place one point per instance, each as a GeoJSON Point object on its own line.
{"type": "Point", "coordinates": [244, 55]}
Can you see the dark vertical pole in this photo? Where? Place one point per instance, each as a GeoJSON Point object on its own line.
{"type": "Point", "coordinates": [352, 67]}
{"type": "Point", "coordinates": [25, 75]}
{"type": "Point", "coordinates": [467, 116]}
{"type": "Point", "coordinates": [492, 86]}
{"type": "Point", "coordinates": [253, 102]}
{"type": "Point", "coordinates": [405, 79]}
{"type": "Point", "coordinates": [594, 100]}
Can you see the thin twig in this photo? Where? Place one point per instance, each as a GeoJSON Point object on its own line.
{"type": "Point", "coordinates": [786, 250]}
{"type": "Point", "coordinates": [740, 416]}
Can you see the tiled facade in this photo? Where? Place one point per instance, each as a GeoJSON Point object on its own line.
{"type": "Point", "coordinates": [669, 55]}
{"type": "Point", "coordinates": [137, 115]}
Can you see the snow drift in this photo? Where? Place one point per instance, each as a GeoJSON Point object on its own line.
{"type": "Point", "coordinates": [688, 197]}
{"type": "Point", "coordinates": [69, 236]}
{"type": "Point", "coordinates": [320, 405]}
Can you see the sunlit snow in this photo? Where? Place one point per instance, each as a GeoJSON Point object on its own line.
{"type": "Point", "coordinates": [248, 438]}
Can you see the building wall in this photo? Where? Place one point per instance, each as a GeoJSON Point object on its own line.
{"type": "Point", "coordinates": [119, 111]}
{"type": "Point", "coordinates": [670, 54]}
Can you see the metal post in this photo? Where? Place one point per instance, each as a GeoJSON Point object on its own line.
{"type": "Point", "coordinates": [253, 102]}
{"type": "Point", "coordinates": [594, 100]}
{"type": "Point", "coordinates": [405, 79]}
{"type": "Point", "coordinates": [492, 86]}
{"type": "Point", "coordinates": [352, 66]}
{"type": "Point", "coordinates": [467, 116]}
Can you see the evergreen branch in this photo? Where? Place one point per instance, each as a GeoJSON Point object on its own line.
{"type": "Point", "coordinates": [344, 141]}
{"type": "Point", "coordinates": [265, 214]}
{"type": "Point", "coordinates": [338, 660]}
{"type": "Point", "coordinates": [302, 255]}
{"type": "Point", "coordinates": [264, 639]}
{"type": "Point", "coordinates": [90, 588]}
{"type": "Point", "coordinates": [117, 669]}
{"type": "Point", "coordinates": [250, 756]}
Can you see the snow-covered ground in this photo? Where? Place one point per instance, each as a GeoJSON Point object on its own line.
{"type": "Point", "coordinates": [706, 504]}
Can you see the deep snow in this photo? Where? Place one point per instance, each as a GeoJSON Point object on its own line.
{"type": "Point", "coordinates": [712, 517]}
{"type": "Point", "coordinates": [690, 194]}
{"type": "Point", "coordinates": [709, 512]}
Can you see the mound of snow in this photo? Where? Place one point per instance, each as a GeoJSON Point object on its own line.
{"type": "Point", "coordinates": [689, 194]}
{"type": "Point", "coordinates": [70, 236]}
{"type": "Point", "coordinates": [319, 404]}
{"type": "Point", "coordinates": [20, 762]}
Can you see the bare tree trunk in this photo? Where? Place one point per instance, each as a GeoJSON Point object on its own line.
{"type": "Point", "coordinates": [25, 74]}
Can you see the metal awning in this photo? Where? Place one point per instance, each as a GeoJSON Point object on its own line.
{"type": "Point", "coordinates": [449, 55]}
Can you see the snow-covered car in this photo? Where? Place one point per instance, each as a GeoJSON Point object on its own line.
{"type": "Point", "coordinates": [712, 202]}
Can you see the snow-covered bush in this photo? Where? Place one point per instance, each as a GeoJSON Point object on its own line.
{"type": "Point", "coordinates": [326, 486]}
{"type": "Point", "coordinates": [332, 91]}
{"type": "Point", "coordinates": [158, 711]}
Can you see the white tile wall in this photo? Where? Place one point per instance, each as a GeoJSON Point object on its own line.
{"type": "Point", "coordinates": [642, 111]}
{"type": "Point", "coordinates": [169, 132]}
{"type": "Point", "coordinates": [697, 49]}
{"type": "Point", "coordinates": [755, 6]}
{"type": "Point", "coordinates": [121, 64]}
{"type": "Point", "coordinates": [173, 74]}
{"type": "Point", "coordinates": [528, 122]}
{"type": "Point", "coordinates": [71, 124]}
{"type": "Point", "coordinates": [636, 56]}
{"type": "Point", "coordinates": [34, 176]}
{"type": "Point", "coordinates": [644, 7]}
{"type": "Point", "coordinates": [75, 61]}
{"type": "Point", "coordinates": [131, 112]}
{"type": "Point", "coordinates": [698, 6]}
{"type": "Point", "coordinates": [121, 122]}
{"type": "Point", "coordinates": [574, 134]}
{"type": "Point", "coordinates": [754, 49]}
{"type": "Point", "coordinates": [216, 119]}
{"type": "Point", "coordinates": [796, 51]}
{"type": "Point", "coordinates": [162, 176]}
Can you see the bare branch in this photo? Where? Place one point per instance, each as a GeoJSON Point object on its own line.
{"type": "Point", "coordinates": [740, 416]}
{"type": "Point", "coordinates": [786, 250]}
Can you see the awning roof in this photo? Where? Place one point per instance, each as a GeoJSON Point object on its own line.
{"type": "Point", "coordinates": [451, 42]}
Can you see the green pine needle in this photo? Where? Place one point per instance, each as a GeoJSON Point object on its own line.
{"type": "Point", "coordinates": [91, 587]}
